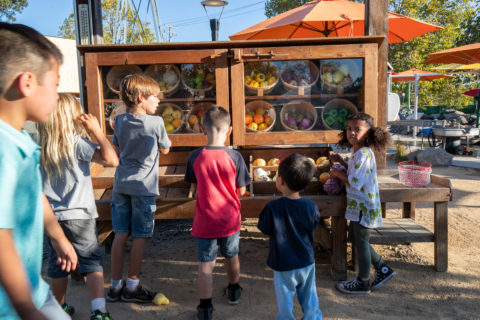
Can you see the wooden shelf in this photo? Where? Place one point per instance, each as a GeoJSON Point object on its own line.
{"type": "Point", "coordinates": [312, 96]}
{"type": "Point", "coordinates": [170, 100]}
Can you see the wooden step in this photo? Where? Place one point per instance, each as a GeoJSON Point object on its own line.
{"type": "Point", "coordinates": [400, 230]}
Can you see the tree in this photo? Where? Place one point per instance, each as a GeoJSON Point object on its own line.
{"type": "Point", "coordinates": [134, 31]}
{"type": "Point", "coordinates": [461, 22]}
{"type": "Point", "coordinates": [9, 8]}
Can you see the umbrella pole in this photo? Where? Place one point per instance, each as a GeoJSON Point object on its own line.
{"type": "Point", "coordinates": [477, 106]}
{"type": "Point", "coordinates": [408, 98]}
{"type": "Point", "coordinates": [415, 105]}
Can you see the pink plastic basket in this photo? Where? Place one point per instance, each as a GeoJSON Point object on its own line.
{"type": "Point", "coordinates": [414, 173]}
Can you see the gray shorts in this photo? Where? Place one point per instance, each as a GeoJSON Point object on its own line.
{"type": "Point", "coordinates": [83, 236]}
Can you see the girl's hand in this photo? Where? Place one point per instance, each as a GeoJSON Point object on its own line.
{"type": "Point", "coordinates": [334, 157]}
{"type": "Point", "coordinates": [90, 123]}
{"type": "Point", "coordinates": [339, 174]}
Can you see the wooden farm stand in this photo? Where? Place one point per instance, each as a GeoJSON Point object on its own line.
{"type": "Point", "coordinates": [229, 59]}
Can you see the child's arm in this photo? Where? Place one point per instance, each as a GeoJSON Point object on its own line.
{"type": "Point", "coordinates": [64, 249]}
{"type": "Point", "coordinates": [165, 151]}
{"type": "Point", "coordinates": [106, 155]}
{"type": "Point", "coordinates": [242, 190]}
{"type": "Point", "coordinates": [335, 157]}
{"type": "Point", "coordinates": [339, 174]}
{"type": "Point", "coordinates": [13, 279]}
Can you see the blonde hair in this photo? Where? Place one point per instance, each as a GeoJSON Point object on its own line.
{"type": "Point", "coordinates": [134, 85]}
{"type": "Point", "coordinates": [59, 135]}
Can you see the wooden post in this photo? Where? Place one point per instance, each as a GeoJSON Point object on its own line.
{"type": "Point", "coordinates": [376, 23]}
{"type": "Point", "coordinates": [441, 235]}
{"type": "Point", "coordinates": [339, 248]}
{"type": "Point", "coordinates": [408, 210]}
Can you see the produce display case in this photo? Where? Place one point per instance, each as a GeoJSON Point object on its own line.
{"type": "Point", "coordinates": [302, 91]}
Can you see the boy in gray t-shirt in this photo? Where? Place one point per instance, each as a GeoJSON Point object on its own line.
{"type": "Point", "coordinates": [138, 137]}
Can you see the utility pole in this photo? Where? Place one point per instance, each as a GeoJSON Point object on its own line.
{"type": "Point", "coordinates": [171, 34]}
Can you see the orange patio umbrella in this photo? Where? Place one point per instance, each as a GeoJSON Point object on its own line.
{"type": "Point", "coordinates": [331, 18]}
{"type": "Point", "coordinates": [415, 75]}
{"type": "Point", "coordinates": [423, 75]}
{"type": "Point", "coordinates": [467, 54]}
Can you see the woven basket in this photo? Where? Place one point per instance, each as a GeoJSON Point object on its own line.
{"type": "Point", "coordinates": [267, 69]}
{"type": "Point", "coordinates": [295, 109]}
{"type": "Point", "coordinates": [118, 109]}
{"type": "Point", "coordinates": [252, 106]}
{"type": "Point", "coordinates": [340, 117]}
{"type": "Point", "coordinates": [117, 73]}
{"type": "Point", "coordinates": [334, 66]}
{"type": "Point", "coordinates": [158, 72]}
{"type": "Point", "coordinates": [307, 69]}
{"type": "Point", "coordinates": [166, 119]}
{"type": "Point", "coordinates": [197, 110]}
{"type": "Point", "coordinates": [190, 71]}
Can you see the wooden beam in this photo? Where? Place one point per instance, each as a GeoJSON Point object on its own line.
{"type": "Point", "coordinates": [376, 23]}
{"type": "Point", "coordinates": [441, 235]}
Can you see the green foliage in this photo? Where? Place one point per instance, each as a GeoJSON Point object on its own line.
{"type": "Point", "coordinates": [275, 7]}
{"type": "Point", "coordinates": [134, 31]}
{"type": "Point", "coordinates": [67, 29]}
{"type": "Point", "coordinates": [9, 8]}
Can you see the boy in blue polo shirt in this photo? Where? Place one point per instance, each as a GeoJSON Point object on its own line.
{"type": "Point", "coordinates": [28, 91]}
{"type": "Point", "coordinates": [290, 223]}
{"type": "Point", "coordinates": [139, 136]}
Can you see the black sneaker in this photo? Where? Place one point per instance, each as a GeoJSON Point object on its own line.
{"type": "Point", "coordinates": [68, 309]}
{"type": "Point", "coordinates": [114, 295]}
{"type": "Point", "coordinates": [99, 315]}
{"type": "Point", "coordinates": [204, 313]}
{"type": "Point", "coordinates": [233, 295]}
{"type": "Point", "coordinates": [140, 294]}
{"type": "Point", "coordinates": [382, 276]}
{"type": "Point", "coordinates": [354, 286]}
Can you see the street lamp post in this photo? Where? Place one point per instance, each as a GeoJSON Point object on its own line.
{"type": "Point", "coordinates": [214, 23]}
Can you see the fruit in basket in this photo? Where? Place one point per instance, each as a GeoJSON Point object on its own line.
{"type": "Point", "coordinates": [253, 126]}
{"type": "Point", "coordinates": [259, 162]}
{"type": "Point", "coordinates": [260, 111]}
{"type": "Point", "coordinates": [262, 126]}
{"type": "Point", "coordinates": [338, 77]}
{"type": "Point", "coordinates": [305, 123]}
{"type": "Point", "coordinates": [260, 74]}
{"type": "Point", "coordinates": [248, 119]}
{"type": "Point", "coordinates": [298, 73]}
{"type": "Point", "coordinates": [169, 127]}
{"type": "Point", "coordinates": [273, 162]}
{"type": "Point", "coordinates": [324, 176]}
{"type": "Point", "coordinates": [198, 76]}
{"type": "Point", "coordinates": [291, 123]}
{"type": "Point", "coordinates": [320, 159]}
{"type": "Point", "coordinates": [268, 120]}
{"type": "Point", "coordinates": [192, 119]}
{"type": "Point", "coordinates": [177, 123]}
{"type": "Point", "coordinates": [258, 118]}
{"type": "Point", "coordinates": [311, 160]}
{"type": "Point", "coordinates": [298, 121]}
{"type": "Point", "coordinates": [336, 74]}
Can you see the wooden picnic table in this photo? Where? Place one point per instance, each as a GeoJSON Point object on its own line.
{"type": "Point", "coordinates": [176, 202]}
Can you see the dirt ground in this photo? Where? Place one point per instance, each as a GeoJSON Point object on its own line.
{"type": "Point", "coordinates": [417, 292]}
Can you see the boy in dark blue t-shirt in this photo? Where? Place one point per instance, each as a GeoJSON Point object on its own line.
{"type": "Point", "coordinates": [290, 223]}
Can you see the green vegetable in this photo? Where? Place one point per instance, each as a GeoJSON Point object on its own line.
{"type": "Point", "coordinates": [329, 120]}
{"type": "Point", "coordinates": [343, 112]}
{"type": "Point", "coordinates": [340, 118]}
{"type": "Point", "coordinates": [333, 113]}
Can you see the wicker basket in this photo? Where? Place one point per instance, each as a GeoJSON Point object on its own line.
{"type": "Point", "coordinates": [269, 71]}
{"type": "Point", "coordinates": [252, 107]}
{"type": "Point", "coordinates": [296, 109]}
{"type": "Point", "coordinates": [338, 118]}
{"type": "Point", "coordinates": [117, 73]}
{"type": "Point", "coordinates": [197, 110]}
{"type": "Point", "coordinates": [347, 69]}
{"type": "Point", "coordinates": [161, 73]}
{"type": "Point", "coordinates": [307, 77]}
{"type": "Point", "coordinates": [414, 173]}
{"type": "Point", "coordinates": [118, 109]}
{"type": "Point", "coordinates": [190, 71]}
{"type": "Point", "coordinates": [170, 119]}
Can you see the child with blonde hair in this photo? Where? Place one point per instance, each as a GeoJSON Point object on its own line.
{"type": "Point", "coordinates": [67, 153]}
{"type": "Point", "coordinates": [138, 137]}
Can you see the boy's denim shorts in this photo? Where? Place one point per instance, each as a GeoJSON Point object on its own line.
{"type": "Point", "coordinates": [83, 236]}
{"type": "Point", "coordinates": [207, 248]}
{"type": "Point", "coordinates": [133, 214]}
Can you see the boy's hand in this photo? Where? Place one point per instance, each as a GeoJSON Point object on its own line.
{"type": "Point", "coordinates": [67, 257]}
{"type": "Point", "coordinates": [90, 123]}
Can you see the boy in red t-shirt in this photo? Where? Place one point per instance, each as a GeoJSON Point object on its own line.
{"type": "Point", "coordinates": [218, 173]}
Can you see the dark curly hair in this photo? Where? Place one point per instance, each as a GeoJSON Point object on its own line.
{"type": "Point", "coordinates": [377, 138]}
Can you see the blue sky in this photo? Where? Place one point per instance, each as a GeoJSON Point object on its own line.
{"type": "Point", "coordinates": [187, 15]}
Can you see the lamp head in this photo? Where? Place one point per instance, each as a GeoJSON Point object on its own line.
{"type": "Point", "coordinates": [214, 3]}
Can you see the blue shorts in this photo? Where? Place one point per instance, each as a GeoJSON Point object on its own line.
{"type": "Point", "coordinates": [133, 214]}
{"type": "Point", "coordinates": [83, 236]}
{"type": "Point", "coordinates": [207, 248]}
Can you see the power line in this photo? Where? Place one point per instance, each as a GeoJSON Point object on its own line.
{"type": "Point", "coordinates": [226, 17]}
